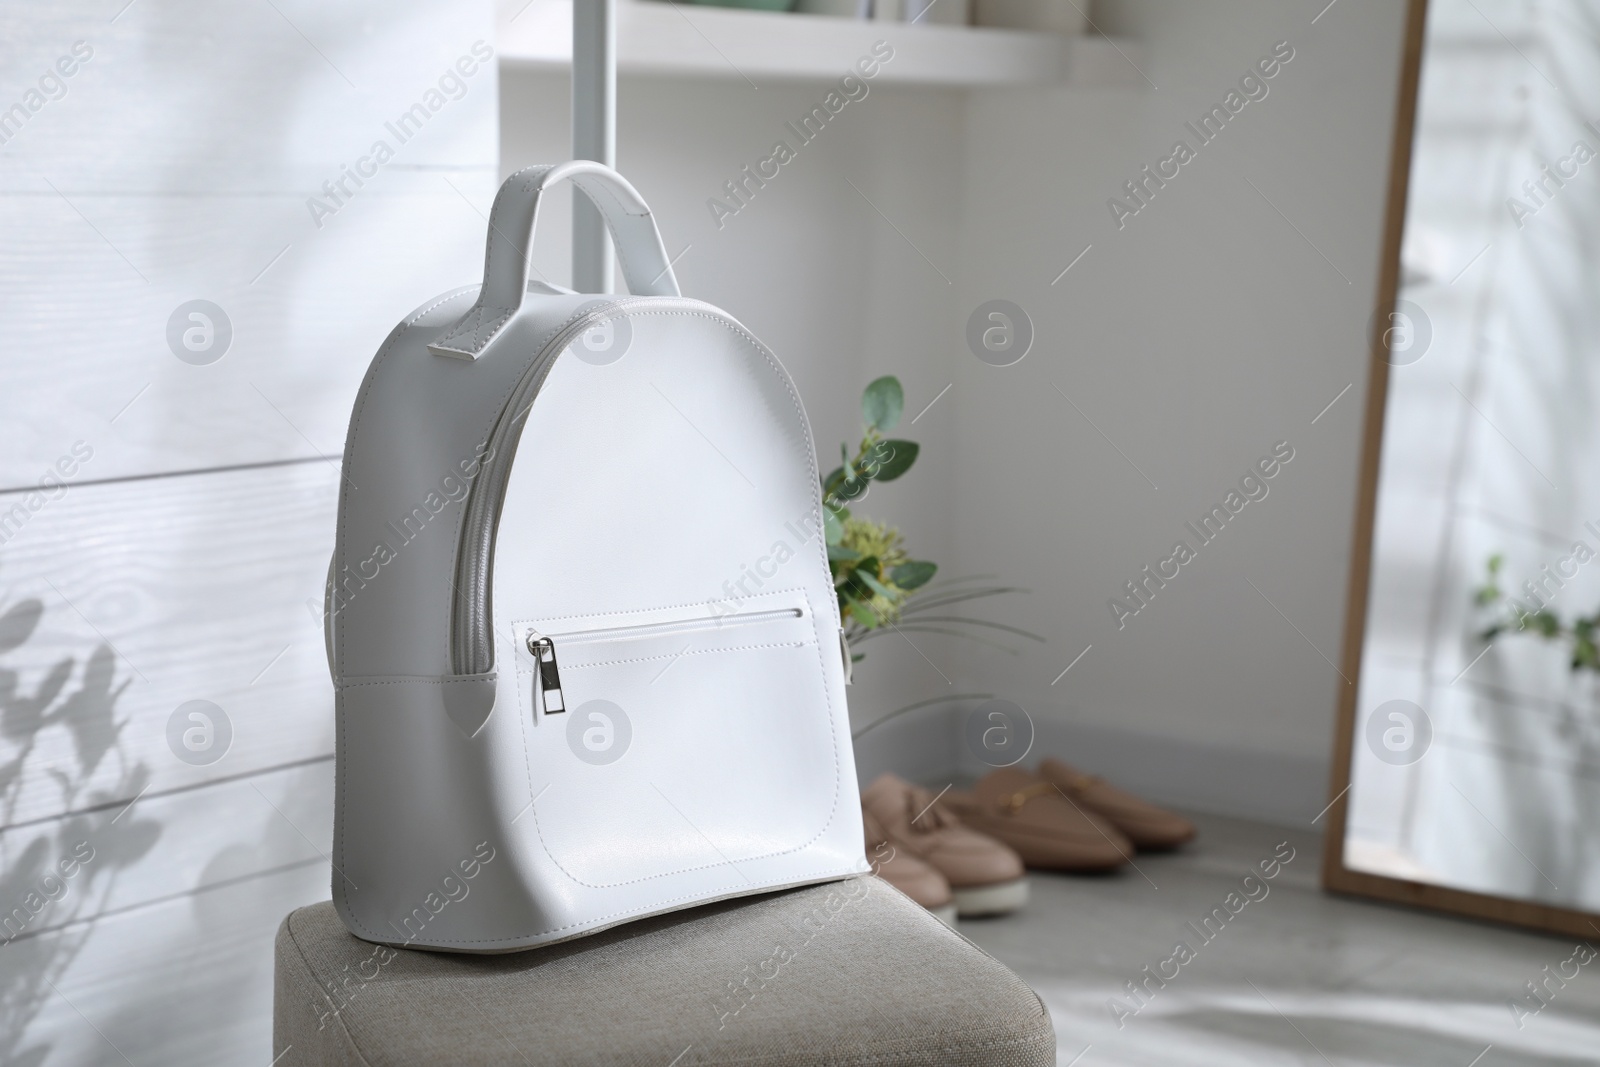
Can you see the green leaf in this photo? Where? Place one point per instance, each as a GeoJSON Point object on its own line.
{"type": "Point", "coordinates": [876, 586]}
{"type": "Point", "coordinates": [875, 452]}
{"type": "Point", "coordinates": [1494, 563]}
{"type": "Point", "coordinates": [913, 574]}
{"type": "Point", "coordinates": [863, 614]}
{"type": "Point", "coordinates": [1548, 624]}
{"type": "Point", "coordinates": [863, 577]}
{"type": "Point", "coordinates": [893, 458]}
{"type": "Point", "coordinates": [837, 553]}
{"type": "Point", "coordinates": [833, 524]}
{"type": "Point", "coordinates": [882, 404]}
{"type": "Point", "coordinates": [853, 486]}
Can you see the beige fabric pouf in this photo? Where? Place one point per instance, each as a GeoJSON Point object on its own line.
{"type": "Point", "coordinates": [846, 973]}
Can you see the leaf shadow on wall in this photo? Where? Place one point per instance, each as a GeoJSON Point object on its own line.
{"type": "Point", "coordinates": [56, 877]}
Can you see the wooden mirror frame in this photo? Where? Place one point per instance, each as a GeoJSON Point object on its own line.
{"type": "Point", "coordinates": [1336, 877]}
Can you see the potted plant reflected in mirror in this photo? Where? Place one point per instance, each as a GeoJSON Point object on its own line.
{"type": "Point", "coordinates": [1581, 635]}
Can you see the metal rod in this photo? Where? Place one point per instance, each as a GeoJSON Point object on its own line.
{"type": "Point", "coordinates": [594, 133]}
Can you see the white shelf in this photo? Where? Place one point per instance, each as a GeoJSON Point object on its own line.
{"type": "Point", "coordinates": [711, 42]}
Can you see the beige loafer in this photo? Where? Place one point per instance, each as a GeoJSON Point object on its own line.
{"type": "Point", "coordinates": [1046, 828]}
{"type": "Point", "coordinates": [1146, 825]}
{"type": "Point", "coordinates": [986, 877]}
{"type": "Point", "coordinates": [916, 879]}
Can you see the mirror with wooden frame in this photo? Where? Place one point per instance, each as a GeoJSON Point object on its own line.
{"type": "Point", "coordinates": [1467, 757]}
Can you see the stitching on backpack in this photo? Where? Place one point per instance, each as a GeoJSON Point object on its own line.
{"type": "Point", "coordinates": [697, 652]}
{"type": "Point", "coordinates": [518, 674]}
{"type": "Point", "coordinates": [412, 680]}
{"type": "Point", "coordinates": [481, 331]}
{"type": "Point", "coordinates": [611, 194]}
{"type": "Point", "coordinates": [659, 607]}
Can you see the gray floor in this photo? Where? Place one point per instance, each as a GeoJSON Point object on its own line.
{"type": "Point", "coordinates": [1296, 977]}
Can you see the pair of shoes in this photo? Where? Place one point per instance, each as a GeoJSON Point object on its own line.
{"type": "Point", "coordinates": [1060, 819]}
{"type": "Point", "coordinates": [919, 846]}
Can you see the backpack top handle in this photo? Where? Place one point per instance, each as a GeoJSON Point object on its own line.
{"type": "Point", "coordinates": [640, 253]}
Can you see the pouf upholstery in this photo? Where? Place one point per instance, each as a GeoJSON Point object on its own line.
{"type": "Point", "coordinates": [850, 972]}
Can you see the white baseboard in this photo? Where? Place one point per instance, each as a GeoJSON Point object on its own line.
{"type": "Point", "coordinates": [927, 745]}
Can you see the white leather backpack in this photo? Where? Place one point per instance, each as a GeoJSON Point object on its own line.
{"type": "Point", "coordinates": [580, 621]}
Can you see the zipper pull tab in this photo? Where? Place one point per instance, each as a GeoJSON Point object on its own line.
{"type": "Point", "coordinates": [543, 651]}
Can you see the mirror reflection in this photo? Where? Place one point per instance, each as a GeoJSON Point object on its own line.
{"type": "Point", "coordinates": [1476, 747]}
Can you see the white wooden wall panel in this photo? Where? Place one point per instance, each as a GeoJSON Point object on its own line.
{"type": "Point", "coordinates": [183, 983]}
{"type": "Point", "coordinates": [180, 164]}
{"type": "Point", "coordinates": [197, 588]}
{"type": "Point", "coordinates": [169, 845]}
{"type": "Point", "coordinates": [188, 96]}
{"type": "Point", "coordinates": [303, 332]}
{"type": "Point", "coordinates": [179, 562]}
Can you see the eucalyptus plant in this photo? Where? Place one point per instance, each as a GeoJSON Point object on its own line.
{"type": "Point", "coordinates": [873, 573]}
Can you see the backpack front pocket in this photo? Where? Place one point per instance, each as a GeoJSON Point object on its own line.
{"type": "Point", "coordinates": [679, 739]}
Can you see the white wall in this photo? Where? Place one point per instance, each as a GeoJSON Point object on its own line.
{"type": "Point", "coordinates": [1205, 330]}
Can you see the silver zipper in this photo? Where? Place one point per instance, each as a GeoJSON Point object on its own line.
{"type": "Point", "coordinates": [471, 647]}
{"type": "Point", "coordinates": [542, 647]}
{"type": "Point", "coordinates": [543, 651]}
